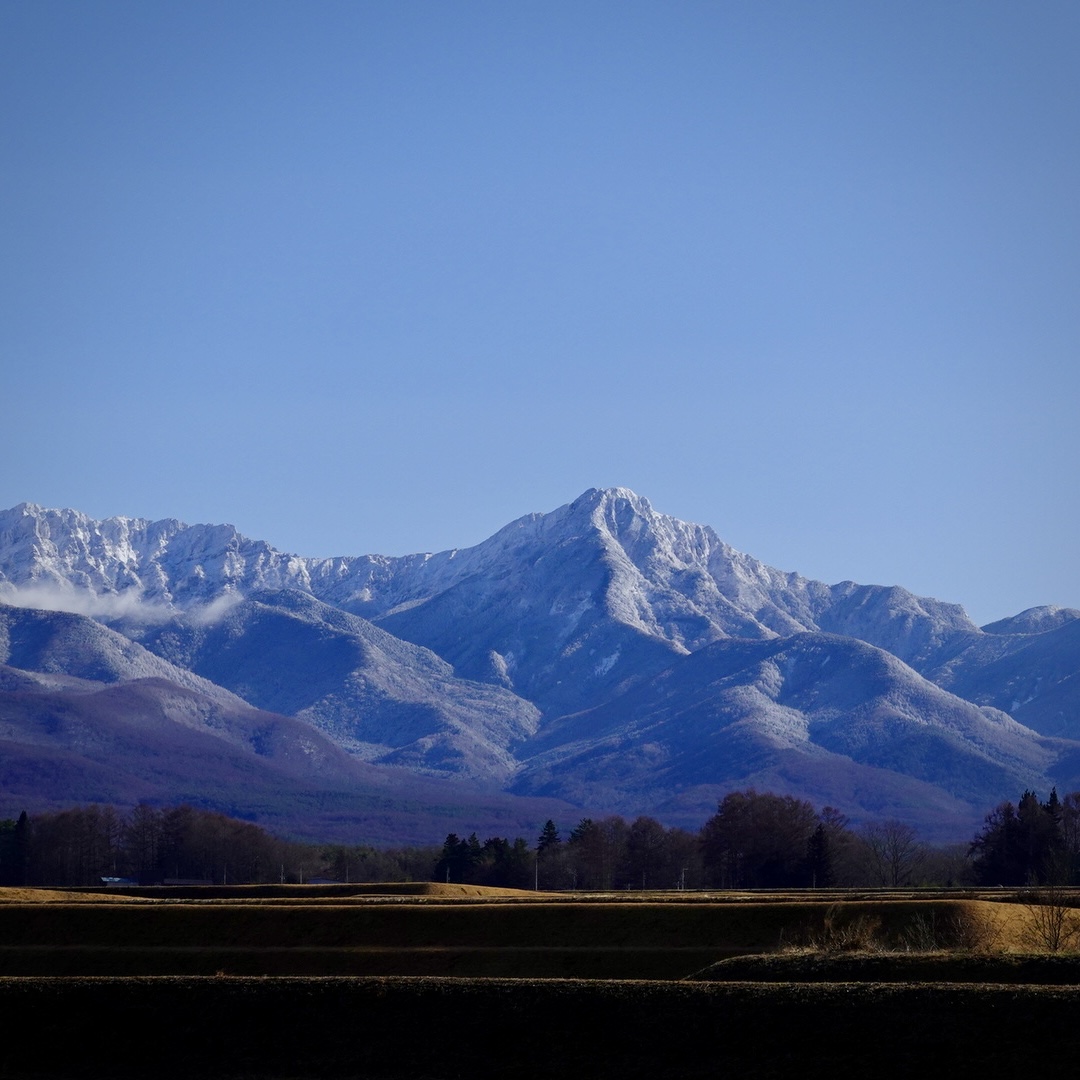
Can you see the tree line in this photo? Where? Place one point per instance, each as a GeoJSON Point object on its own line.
{"type": "Point", "coordinates": [759, 840]}
{"type": "Point", "coordinates": [1030, 842]}
{"type": "Point", "coordinates": [754, 840]}
{"type": "Point", "coordinates": [183, 844]}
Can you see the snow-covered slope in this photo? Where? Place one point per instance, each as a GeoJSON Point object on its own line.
{"type": "Point", "coordinates": [1029, 666]}
{"type": "Point", "coordinates": [69, 683]}
{"type": "Point", "coordinates": [807, 713]}
{"type": "Point", "coordinates": [126, 725]}
{"type": "Point", "coordinates": [380, 698]}
{"type": "Point", "coordinates": [52, 643]}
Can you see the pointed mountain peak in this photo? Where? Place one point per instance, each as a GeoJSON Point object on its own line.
{"type": "Point", "coordinates": [620, 513]}
{"type": "Point", "coordinates": [613, 498]}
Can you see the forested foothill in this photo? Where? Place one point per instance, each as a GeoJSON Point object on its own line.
{"type": "Point", "coordinates": [755, 840]}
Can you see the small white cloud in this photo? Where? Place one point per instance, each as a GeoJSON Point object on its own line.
{"type": "Point", "coordinates": [215, 610]}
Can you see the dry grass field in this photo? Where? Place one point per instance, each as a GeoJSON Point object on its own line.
{"type": "Point", "coordinates": [459, 981]}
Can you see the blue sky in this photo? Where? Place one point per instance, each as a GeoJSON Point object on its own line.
{"type": "Point", "coordinates": [381, 277]}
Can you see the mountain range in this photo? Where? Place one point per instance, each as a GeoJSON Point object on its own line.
{"type": "Point", "coordinates": [601, 658]}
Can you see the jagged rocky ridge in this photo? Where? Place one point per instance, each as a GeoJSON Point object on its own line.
{"type": "Point", "coordinates": [587, 654]}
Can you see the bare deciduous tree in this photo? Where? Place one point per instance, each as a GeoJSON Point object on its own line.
{"type": "Point", "coordinates": [893, 852]}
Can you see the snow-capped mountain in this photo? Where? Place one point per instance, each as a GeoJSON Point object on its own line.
{"type": "Point", "coordinates": [667, 578]}
{"type": "Point", "coordinates": [590, 594]}
{"type": "Point", "coordinates": [533, 654]}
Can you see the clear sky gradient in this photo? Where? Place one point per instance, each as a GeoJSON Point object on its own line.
{"type": "Point", "coordinates": [382, 276]}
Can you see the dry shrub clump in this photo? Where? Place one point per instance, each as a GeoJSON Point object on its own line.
{"type": "Point", "coordinates": [961, 928]}
{"type": "Point", "coordinates": [938, 928]}
{"type": "Point", "coordinates": [842, 929]}
{"type": "Point", "coordinates": [1052, 922]}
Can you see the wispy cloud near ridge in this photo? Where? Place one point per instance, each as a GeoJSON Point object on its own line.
{"type": "Point", "coordinates": [129, 605]}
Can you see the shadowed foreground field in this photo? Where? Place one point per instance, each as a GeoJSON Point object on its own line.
{"type": "Point", "coordinates": [796, 1012]}
{"type": "Point", "coordinates": [402, 1027]}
